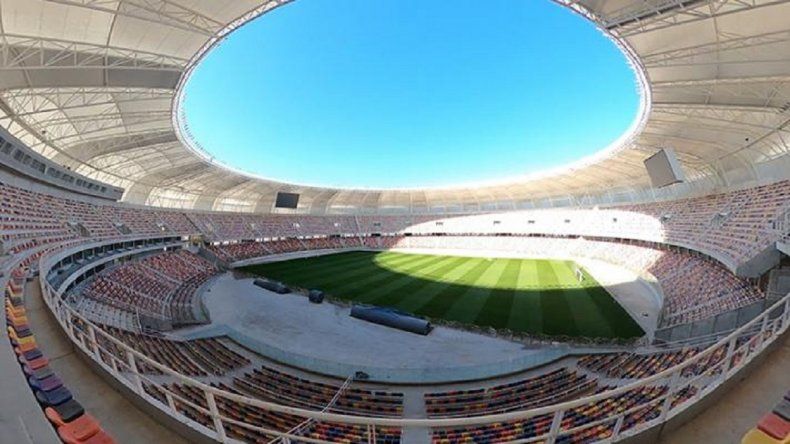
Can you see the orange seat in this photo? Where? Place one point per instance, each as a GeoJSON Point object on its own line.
{"type": "Point", "coordinates": [15, 311]}
{"type": "Point", "coordinates": [80, 430]}
{"type": "Point", "coordinates": [27, 347]}
{"type": "Point", "coordinates": [99, 438]}
{"type": "Point", "coordinates": [18, 320]}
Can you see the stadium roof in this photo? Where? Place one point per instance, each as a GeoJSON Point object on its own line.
{"type": "Point", "coordinates": [95, 85]}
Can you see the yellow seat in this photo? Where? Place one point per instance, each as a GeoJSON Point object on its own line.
{"type": "Point", "coordinates": [755, 436]}
{"type": "Point", "coordinates": [15, 311]}
{"type": "Point", "coordinates": [18, 320]}
{"type": "Point", "coordinates": [27, 340]}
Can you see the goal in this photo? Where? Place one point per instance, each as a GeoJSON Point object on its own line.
{"type": "Point", "coordinates": [579, 274]}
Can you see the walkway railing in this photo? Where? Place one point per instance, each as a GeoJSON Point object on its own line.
{"type": "Point", "coordinates": [215, 412]}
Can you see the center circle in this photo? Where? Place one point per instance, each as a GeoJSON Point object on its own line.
{"type": "Point", "coordinates": [410, 94]}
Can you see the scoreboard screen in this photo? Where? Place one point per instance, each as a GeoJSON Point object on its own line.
{"type": "Point", "coordinates": [287, 200]}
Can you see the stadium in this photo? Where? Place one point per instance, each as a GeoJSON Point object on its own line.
{"type": "Point", "coordinates": [156, 293]}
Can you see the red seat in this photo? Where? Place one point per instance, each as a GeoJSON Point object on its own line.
{"type": "Point", "coordinates": [100, 438]}
{"type": "Point", "coordinates": [37, 363]}
{"type": "Point", "coordinates": [79, 430]}
{"type": "Point", "coordinates": [774, 426]}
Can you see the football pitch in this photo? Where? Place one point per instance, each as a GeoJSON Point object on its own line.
{"type": "Point", "coordinates": [536, 296]}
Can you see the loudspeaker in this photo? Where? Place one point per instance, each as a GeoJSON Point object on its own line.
{"type": "Point", "coordinates": [664, 169]}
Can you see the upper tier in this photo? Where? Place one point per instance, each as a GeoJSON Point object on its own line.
{"type": "Point", "coordinates": [732, 227]}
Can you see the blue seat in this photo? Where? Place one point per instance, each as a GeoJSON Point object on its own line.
{"type": "Point", "coordinates": [783, 410]}
{"type": "Point", "coordinates": [32, 354]}
{"type": "Point", "coordinates": [47, 384]}
{"type": "Point", "coordinates": [69, 410]}
{"type": "Point", "coordinates": [40, 373]}
{"type": "Point", "coordinates": [53, 397]}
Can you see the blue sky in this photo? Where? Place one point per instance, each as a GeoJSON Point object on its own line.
{"type": "Point", "coordinates": [413, 93]}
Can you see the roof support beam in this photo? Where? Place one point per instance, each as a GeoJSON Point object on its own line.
{"type": "Point", "coordinates": [164, 12]}
{"type": "Point", "coordinates": [652, 17]}
{"type": "Point", "coordinates": [726, 43]}
{"type": "Point", "coordinates": [31, 53]}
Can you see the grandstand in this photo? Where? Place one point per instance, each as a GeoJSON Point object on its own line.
{"type": "Point", "coordinates": [123, 243]}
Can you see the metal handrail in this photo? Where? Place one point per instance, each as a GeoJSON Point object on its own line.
{"type": "Point", "coordinates": [671, 378]}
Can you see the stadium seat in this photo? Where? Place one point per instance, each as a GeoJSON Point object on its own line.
{"type": "Point", "coordinates": [35, 364]}
{"type": "Point", "coordinates": [39, 373]}
{"type": "Point", "coordinates": [54, 397]}
{"type": "Point", "coordinates": [774, 426]}
{"type": "Point", "coordinates": [783, 409]}
{"type": "Point", "coordinates": [755, 436]}
{"type": "Point", "coordinates": [46, 384]}
{"type": "Point", "coordinates": [28, 354]}
{"type": "Point", "coordinates": [20, 331]}
{"type": "Point", "coordinates": [65, 412]}
{"type": "Point", "coordinates": [80, 429]}
{"type": "Point", "coordinates": [27, 347]}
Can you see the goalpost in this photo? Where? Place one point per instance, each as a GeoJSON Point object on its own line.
{"type": "Point", "coordinates": [579, 273]}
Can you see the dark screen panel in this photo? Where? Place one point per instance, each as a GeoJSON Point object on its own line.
{"type": "Point", "coordinates": [287, 200]}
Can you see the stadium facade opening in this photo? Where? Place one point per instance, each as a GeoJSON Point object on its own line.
{"type": "Point", "coordinates": [372, 94]}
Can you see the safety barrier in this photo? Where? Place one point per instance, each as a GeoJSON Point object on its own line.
{"type": "Point", "coordinates": [684, 384]}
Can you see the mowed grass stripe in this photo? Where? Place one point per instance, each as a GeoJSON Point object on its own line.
{"type": "Point", "coordinates": [557, 315]}
{"type": "Point", "coordinates": [422, 296]}
{"type": "Point", "coordinates": [360, 289]}
{"type": "Point", "coordinates": [327, 278]}
{"type": "Point", "coordinates": [585, 313]}
{"type": "Point", "coordinates": [316, 261]}
{"type": "Point", "coordinates": [440, 306]}
{"type": "Point", "coordinates": [396, 282]}
{"type": "Point", "coordinates": [525, 314]}
{"type": "Point", "coordinates": [417, 287]}
{"type": "Point", "coordinates": [496, 310]}
{"type": "Point", "coordinates": [306, 276]}
{"type": "Point", "coordinates": [468, 307]}
{"type": "Point", "coordinates": [528, 295]}
{"type": "Point", "coordinates": [309, 266]}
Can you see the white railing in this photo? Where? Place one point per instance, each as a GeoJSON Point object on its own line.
{"type": "Point", "coordinates": [215, 412]}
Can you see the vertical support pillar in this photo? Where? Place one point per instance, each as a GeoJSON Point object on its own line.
{"type": "Point", "coordinates": [554, 430]}
{"type": "Point", "coordinates": [618, 425]}
{"type": "Point", "coordinates": [93, 342]}
{"type": "Point", "coordinates": [219, 428]}
{"type": "Point", "coordinates": [666, 406]}
{"type": "Point", "coordinates": [138, 383]}
{"type": "Point", "coordinates": [170, 402]}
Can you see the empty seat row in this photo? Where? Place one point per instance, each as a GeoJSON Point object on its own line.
{"type": "Point", "coordinates": [773, 427]}
{"type": "Point", "coordinates": [73, 424]}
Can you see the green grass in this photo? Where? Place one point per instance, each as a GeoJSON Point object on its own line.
{"type": "Point", "coordinates": [536, 296]}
